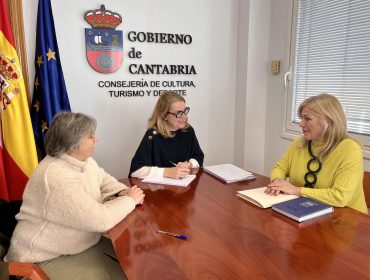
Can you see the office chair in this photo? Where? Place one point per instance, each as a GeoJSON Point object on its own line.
{"type": "Point", "coordinates": [8, 222]}
{"type": "Point", "coordinates": [367, 188]}
{"type": "Point", "coordinates": [28, 270]}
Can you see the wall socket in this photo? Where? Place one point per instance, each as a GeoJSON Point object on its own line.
{"type": "Point", "coordinates": [275, 66]}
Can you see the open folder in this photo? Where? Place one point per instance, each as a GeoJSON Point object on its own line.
{"type": "Point", "coordinates": [258, 197]}
{"type": "Point", "coordinates": [229, 172]}
{"type": "Point", "coordinates": [169, 181]}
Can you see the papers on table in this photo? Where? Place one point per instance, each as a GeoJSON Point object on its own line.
{"type": "Point", "coordinates": [229, 172]}
{"type": "Point", "coordinates": [169, 181]}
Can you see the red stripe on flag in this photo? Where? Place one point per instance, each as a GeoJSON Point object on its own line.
{"type": "Point", "coordinates": [4, 194]}
{"type": "Point", "coordinates": [15, 177]}
{"type": "Point", "coordinates": [5, 23]}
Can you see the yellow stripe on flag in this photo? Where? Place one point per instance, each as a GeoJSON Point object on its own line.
{"type": "Point", "coordinates": [18, 137]}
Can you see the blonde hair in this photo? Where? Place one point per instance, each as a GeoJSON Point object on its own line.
{"type": "Point", "coordinates": [327, 107]}
{"type": "Point", "coordinates": [157, 120]}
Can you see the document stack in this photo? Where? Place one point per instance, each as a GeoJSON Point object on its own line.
{"type": "Point", "coordinates": [229, 173]}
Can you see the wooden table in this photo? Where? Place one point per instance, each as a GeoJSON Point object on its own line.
{"type": "Point", "coordinates": [230, 238]}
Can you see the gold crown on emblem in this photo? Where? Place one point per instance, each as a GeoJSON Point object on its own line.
{"type": "Point", "coordinates": [102, 18]}
{"type": "Point", "coordinates": [8, 69]}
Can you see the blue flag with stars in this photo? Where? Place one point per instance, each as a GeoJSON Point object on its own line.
{"type": "Point", "coordinates": [50, 93]}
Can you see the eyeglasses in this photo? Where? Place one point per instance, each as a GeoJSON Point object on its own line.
{"type": "Point", "coordinates": [179, 114]}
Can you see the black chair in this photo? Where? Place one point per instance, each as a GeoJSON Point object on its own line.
{"type": "Point", "coordinates": [8, 210]}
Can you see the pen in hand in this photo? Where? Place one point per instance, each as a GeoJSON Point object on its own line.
{"type": "Point", "coordinates": [181, 164]}
{"type": "Point", "coordinates": [180, 236]}
{"type": "Point", "coordinates": [181, 171]}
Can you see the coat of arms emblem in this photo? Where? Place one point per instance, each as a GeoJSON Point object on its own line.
{"type": "Point", "coordinates": [9, 73]}
{"type": "Point", "coordinates": [104, 46]}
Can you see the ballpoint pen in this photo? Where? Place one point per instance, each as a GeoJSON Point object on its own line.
{"type": "Point", "coordinates": [180, 236]}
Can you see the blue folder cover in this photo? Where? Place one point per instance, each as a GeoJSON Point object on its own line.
{"type": "Point", "coordinates": [303, 208]}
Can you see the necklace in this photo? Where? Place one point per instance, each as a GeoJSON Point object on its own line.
{"type": "Point", "coordinates": [311, 176]}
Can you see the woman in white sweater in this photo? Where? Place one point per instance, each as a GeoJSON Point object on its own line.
{"type": "Point", "coordinates": [68, 203]}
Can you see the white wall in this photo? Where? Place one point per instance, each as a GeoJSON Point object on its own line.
{"type": "Point", "coordinates": [122, 121]}
{"type": "Point", "coordinates": [257, 77]}
{"type": "Point", "coordinates": [275, 145]}
{"type": "Point", "coordinates": [251, 83]}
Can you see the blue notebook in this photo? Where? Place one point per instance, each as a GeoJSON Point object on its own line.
{"type": "Point", "coordinates": [303, 208]}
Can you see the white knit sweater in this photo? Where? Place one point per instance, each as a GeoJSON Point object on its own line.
{"type": "Point", "coordinates": [66, 206]}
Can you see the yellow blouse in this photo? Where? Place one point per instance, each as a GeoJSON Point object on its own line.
{"type": "Point", "coordinates": [339, 182]}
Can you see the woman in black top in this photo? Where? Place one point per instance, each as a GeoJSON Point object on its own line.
{"type": "Point", "coordinates": [169, 147]}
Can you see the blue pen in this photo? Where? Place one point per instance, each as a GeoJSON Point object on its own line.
{"type": "Point", "coordinates": [180, 236]}
{"type": "Point", "coordinates": [174, 164]}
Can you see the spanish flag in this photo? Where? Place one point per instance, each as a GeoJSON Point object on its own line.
{"type": "Point", "coordinates": [18, 157]}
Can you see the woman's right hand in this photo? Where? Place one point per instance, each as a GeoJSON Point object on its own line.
{"type": "Point", "coordinates": [278, 186]}
{"type": "Point", "coordinates": [136, 194]}
{"type": "Point", "coordinates": [176, 172]}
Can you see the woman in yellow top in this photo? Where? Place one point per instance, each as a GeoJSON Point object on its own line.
{"type": "Point", "coordinates": [326, 163]}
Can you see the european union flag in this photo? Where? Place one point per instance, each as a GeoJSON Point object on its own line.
{"type": "Point", "coordinates": [50, 93]}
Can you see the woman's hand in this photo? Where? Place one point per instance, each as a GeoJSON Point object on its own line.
{"type": "Point", "coordinates": [176, 172]}
{"type": "Point", "coordinates": [135, 193]}
{"type": "Point", "coordinates": [185, 164]}
{"type": "Point", "coordinates": [280, 186]}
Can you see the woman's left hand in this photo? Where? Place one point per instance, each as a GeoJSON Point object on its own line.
{"type": "Point", "coordinates": [123, 192]}
{"type": "Point", "coordinates": [280, 186]}
{"type": "Point", "coordinates": [184, 164]}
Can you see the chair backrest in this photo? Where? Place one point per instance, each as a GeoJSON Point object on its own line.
{"type": "Point", "coordinates": [367, 187]}
{"type": "Point", "coordinates": [28, 270]}
{"type": "Point", "coordinates": [8, 210]}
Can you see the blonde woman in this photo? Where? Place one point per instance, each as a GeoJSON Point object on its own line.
{"type": "Point", "coordinates": [325, 163]}
{"type": "Point", "coordinates": [169, 147]}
